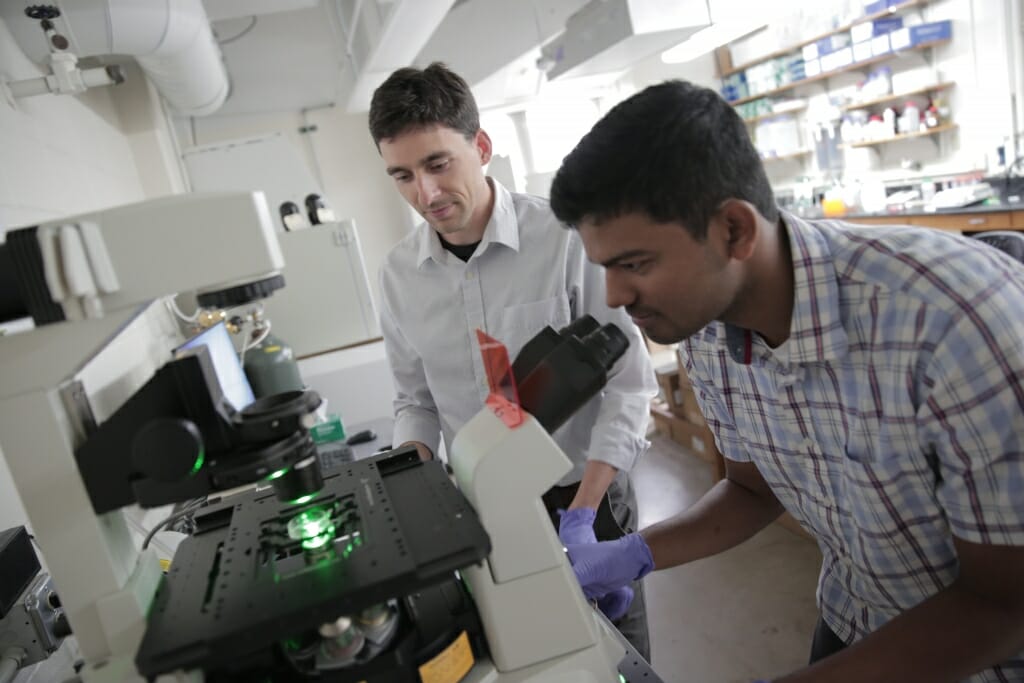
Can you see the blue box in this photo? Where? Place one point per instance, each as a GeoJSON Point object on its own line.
{"type": "Point", "coordinates": [881, 5]}
{"type": "Point", "coordinates": [875, 7]}
{"type": "Point", "coordinates": [867, 30]}
{"type": "Point", "coordinates": [927, 33]}
{"type": "Point", "coordinates": [912, 36]}
{"type": "Point", "coordinates": [833, 43]}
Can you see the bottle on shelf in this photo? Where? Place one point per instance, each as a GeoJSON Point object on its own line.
{"type": "Point", "coordinates": [910, 121]}
{"type": "Point", "coordinates": [889, 119]}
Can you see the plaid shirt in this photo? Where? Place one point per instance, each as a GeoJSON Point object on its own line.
{"type": "Point", "coordinates": [891, 420]}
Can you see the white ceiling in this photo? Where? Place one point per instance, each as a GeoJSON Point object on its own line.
{"type": "Point", "coordinates": [288, 55]}
{"type": "Point", "coordinates": [286, 61]}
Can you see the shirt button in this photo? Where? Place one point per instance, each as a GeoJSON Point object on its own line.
{"type": "Point", "coordinates": [469, 275]}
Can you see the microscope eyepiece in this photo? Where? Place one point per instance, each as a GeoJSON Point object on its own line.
{"type": "Point", "coordinates": [606, 344]}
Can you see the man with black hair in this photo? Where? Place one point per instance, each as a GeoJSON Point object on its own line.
{"type": "Point", "coordinates": [495, 260]}
{"type": "Point", "coordinates": [868, 380]}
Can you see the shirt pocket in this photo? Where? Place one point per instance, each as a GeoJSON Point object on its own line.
{"type": "Point", "coordinates": [521, 322]}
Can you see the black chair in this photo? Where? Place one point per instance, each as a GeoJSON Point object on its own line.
{"type": "Point", "coordinates": [1006, 241]}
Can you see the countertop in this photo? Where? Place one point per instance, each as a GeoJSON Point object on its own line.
{"type": "Point", "coordinates": [999, 207]}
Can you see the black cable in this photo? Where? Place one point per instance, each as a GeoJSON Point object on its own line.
{"type": "Point", "coordinates": [170, 519]}
{"type": "Point", "coordinates": [241, 34]}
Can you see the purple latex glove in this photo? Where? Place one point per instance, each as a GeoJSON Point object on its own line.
{"type": "Point", "coordinates": [576, 526]}
{"type": "Point", "coordinates": [609, 565]}
{"type": "Point", "coordinates": [614, 605]}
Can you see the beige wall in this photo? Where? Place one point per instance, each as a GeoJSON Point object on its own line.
{"type": "Point", "coordinates": [341, 156]}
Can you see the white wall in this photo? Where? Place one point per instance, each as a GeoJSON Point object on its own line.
{"type": "Point", "coordinates": [62, 155]}
{"type": "Point", "coordinates": [59, 154]}
{"type": "Point", "coordinates": [342, 157]}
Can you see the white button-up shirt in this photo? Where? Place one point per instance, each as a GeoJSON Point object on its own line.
{"type": "Point", "coordinates": [527, 272]}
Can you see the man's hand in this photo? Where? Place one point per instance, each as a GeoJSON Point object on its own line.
{"type": "Point", "coordinates": [608, 566]}
{"type": "Point", "coordinates": [576, 526]}
{"type": "Point", "coordinates": [421, 448]}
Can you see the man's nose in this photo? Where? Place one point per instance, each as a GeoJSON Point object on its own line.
{"type": "Point", "coordinates": [618, 292]}
{"type": "Point", "coordinates": [428, 190]}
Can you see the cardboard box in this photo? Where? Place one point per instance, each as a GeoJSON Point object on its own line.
{"type": "Point", "coordinates": [880, 45]}
{"type": "Point", "coordinates": [862, 51]}
{"type": "Point", "coordinates": [912, 36]}
{"type": "Point", "coordinates": [678, 395]}
{"type": "Point", "coordinates": [869, 29]}
{"type": "Point", "coordinates": [696, 439]}
{"type": "Point", "coordinates": [932, 31]}
{"type": "Point", "coordinates": [833, 43]}
{"type": "Point", "coordinates": [876, 6]}
{"type": "Point", "coordinates": [837, 59]}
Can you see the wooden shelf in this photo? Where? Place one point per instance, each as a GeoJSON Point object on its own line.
{"type": "Point", "coordinates": [785, 157]}
{"type": "Point", "coordinates": [910, 4]}
{"type": "Point", "coordinates": [856, 66]}
{"type": "Point", "coordinates": [762, 117]}
{"type": "Point", "coordinates": [938, 87]}
{"type": "Point", "coordinates": [905, 136]}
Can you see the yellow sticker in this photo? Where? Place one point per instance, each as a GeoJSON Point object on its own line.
{"type": "Point", "coordinates": [451, 665]}
{"type": "Point", "coordinates": [271, 349]}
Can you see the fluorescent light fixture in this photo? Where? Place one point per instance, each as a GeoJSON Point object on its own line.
{"type": "Point", "coordinates": [711, 38]}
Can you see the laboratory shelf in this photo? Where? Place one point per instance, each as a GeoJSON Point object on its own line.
{"type": "Point", "coordinates": [889, 11]}
{"type": "Point", "coordinates": [938, 87]}
{"type": "Point", "coordinates": [905, 136]}
{"type": "Point", "coordinates": [785, 157]}
{"type": "Point", "coordinates": [856, 66]}
{"type": "Point", "coordinates": [771, 115]}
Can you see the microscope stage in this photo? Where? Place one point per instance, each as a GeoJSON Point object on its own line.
{"type": "Point", "coordinates": [241, 584]}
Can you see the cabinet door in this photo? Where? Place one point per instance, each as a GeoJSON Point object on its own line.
{"type": "Point", "coordinates": [325, 303]}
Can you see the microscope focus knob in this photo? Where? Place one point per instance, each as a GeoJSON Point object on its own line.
{"type": "Point", "coordinates": [168, 449]}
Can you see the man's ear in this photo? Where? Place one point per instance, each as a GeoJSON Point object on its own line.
{"type": "Point", "coordinates": [739, 221]}
{"type": "Point", "coordinates": [482, 142]}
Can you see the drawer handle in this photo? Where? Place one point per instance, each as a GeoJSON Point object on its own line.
{"type": "Point", "coordinates": [977, 221]}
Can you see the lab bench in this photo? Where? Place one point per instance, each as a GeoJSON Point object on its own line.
{"type": "Point", "coordinates": [967, 219]}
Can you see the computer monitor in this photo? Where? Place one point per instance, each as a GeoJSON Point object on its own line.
{"type": "Point", "coordinates": [226, 364]}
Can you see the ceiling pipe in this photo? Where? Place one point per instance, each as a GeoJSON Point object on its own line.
{"type": "Point", "coordinates": [171, 40]}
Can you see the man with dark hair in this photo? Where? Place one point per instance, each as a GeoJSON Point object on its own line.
{"type": "Point", "coordinates": [869, 380]}
{"type": "Point", "coordinates": [490, 259]}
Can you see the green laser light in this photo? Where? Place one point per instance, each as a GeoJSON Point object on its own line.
{"type": "Point", "coordinates": [313, 528]}
{"type": "Point", "coordinates": [198, 464]}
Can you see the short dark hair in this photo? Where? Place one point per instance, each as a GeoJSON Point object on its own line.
{"type": "Point", "coordinates": [414, 98]}
{"type": "Point", "coordinates": [674, 151]}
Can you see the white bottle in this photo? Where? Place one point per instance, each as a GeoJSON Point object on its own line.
{"type": "Point", "coordinates": [889, 119]}
{"type": "Point", "coordinates": [928, 190]}
{"type": "Point", "coordinates": [911, 119]}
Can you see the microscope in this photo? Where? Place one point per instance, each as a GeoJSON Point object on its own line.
{"type": "Point", "coordinates": [378, 570]}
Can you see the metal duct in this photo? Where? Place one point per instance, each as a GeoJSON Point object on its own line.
{"type": "Point", "coordinates": [171, 40]}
